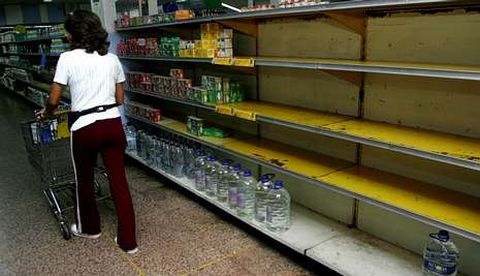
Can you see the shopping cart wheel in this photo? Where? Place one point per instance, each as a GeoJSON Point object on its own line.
{"type": "Point", "coordinates": [65, 231]}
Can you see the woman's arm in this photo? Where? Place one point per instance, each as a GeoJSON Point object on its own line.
{"type": "Point", "coordinates": [119, 93]}
{"type": "Point", "coordinates": [54, 99]}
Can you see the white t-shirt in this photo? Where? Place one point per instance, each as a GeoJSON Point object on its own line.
{"type": "Point", "coordinates": [92, 79]}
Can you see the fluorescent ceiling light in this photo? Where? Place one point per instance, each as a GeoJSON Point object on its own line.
{"type": "Point", "coordinates": [231, 7]}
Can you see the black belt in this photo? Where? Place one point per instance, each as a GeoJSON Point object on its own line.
{"type": "Point", "coordinates": [96, 109]}
{"type": "Point", "coordinates": [73, 116]}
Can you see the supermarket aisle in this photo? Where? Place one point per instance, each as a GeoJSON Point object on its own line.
{"type": "Point", "coordinates": [177, 235]}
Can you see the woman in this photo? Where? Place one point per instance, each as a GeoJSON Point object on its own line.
{"type": "Point", "coordinates": [96, 79]}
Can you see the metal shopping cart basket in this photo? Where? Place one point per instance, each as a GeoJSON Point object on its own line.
{"type": "Point", "coordinates": [48, 148]}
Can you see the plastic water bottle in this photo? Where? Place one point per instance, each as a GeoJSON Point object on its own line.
{"type": "Point", "coordinates": [261, 190]}
{"type": "Point", "coordinates": [131, 136]}
{"type": "Point", "coordinates": [189, 161]}
{"type": "Point", "coordinates": [278, 208]}
{"type": "Point", "coordinates": [440, 255]}
{"type": "Point", "coordinates": [211, 175]}
{"type": "Point", "coordinates": [233, 182]}
{"type": "Point", "coordinates": [177, 160]}
{"type": "Point", "coordinates": [246, 195]}
{"type": "Point", "coordinates": [200, 163]}
{"type": "Point", "coordinates": [224, 174]}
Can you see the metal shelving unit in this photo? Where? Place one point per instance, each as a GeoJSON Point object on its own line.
{"type": "Point", "coordinates": [389, 68]}
{"type": "Point", "coordinates": [447, 148]}
{"type": "Point", "coordinates": [167, 59]}
{"type": "Point", "coordinates": [330, 7]}
{"type": "Point", "coordinates": [430, 204]}
{"type": "Point", "coordinates": [416, 200]}
{"type": "Point", "coordinates": [31, 54]}
{"type": "Point", "coordinates": [172, 99]}
{"type": "Point", "coordinates": [47, 38]}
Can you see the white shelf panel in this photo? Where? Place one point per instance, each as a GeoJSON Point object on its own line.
{"type": "Point", "coordinates": [356, 253]}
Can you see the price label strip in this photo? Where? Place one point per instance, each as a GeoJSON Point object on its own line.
{"type": "Point", "coordinates": [224, 109]}
{"type": "Point", "coordinates": [222, 61]}
{"type": "Point", "coordinates": [243, 62]}
{"type": "Point", "coordinates": [246, 115]}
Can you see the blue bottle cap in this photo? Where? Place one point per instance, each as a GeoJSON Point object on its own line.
{"type": "Point", "coordinates": [267, 177]}
{"type": "Point", "coordinates": [247, 173]}
{"type": "Point", "coordinates": [442, 235]}
{"type": "Point", "coordinates": [227, 162]}
{"type": "Point", "coordinates": [212, 158]}
{"type": "Point", "coordinates": [278, 184]}
{"type": "Point", "coordinates": [237, 167]}
{"type": "Point", "coordinates": [200, 153]}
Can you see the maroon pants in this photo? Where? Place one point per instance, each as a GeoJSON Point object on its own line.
{"type": "Point", "coordinates": [107, 138]}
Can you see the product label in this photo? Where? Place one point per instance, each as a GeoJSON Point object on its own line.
{"type": "Point", "coordinates": [246, 115]}
{"type": "Point", "coordinates": [224, 109]}
{"type": "Point", "coordinates": [243, 62]}
{"type": "Point", "coordinates": [232, 196]}
{"type": "Point", "coordinates": [436, 268]}
{"type": "Point", "coordinates": [222, 61]}
{"type": "Point", "coordinates": [241, 201]}
{"type": "Point", "coordinates": [269, 214]}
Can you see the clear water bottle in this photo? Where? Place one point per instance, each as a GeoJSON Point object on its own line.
{"type": "Point", "coordinates": [150, 153]}
{"type": "Point", "coordinates": [246, 195]}
{"type": "Point", "coordinates": [131, 135]}
{"type": "Point", "coordinates": [278, 208]}
{"type": "Point", "coordinates": [189, 161]}
{"type": "Point", "coordinates": [224, 174]}
{"type": "Point", "coordinates": [177, 160]}
{"type": "Point", "coordinates": [200, 163]}
{"type": "Point", "coordinates": [211, 175]}
{"type": "Point", "coordinates": [233, 182]}
{"type": "Point", "coordinates": [262, 188]}
{"type": "Point", "coordinates": [141, 144]}
{"type": "Point", "coordinates": [440, 255]}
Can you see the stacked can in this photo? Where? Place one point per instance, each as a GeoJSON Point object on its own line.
{"type": "Point", "coordinates": [143, 111]}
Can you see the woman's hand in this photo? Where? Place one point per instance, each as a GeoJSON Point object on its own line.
{"type": "Point", "coordinates": [40, 114]}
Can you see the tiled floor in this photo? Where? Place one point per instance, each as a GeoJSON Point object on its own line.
{"type": "Point", "coordinates": [177, 234]}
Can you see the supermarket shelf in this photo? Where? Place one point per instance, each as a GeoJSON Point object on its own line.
{"type": "Point", "coordinates": [357, 253]}
{"type": "Point", "coordinates": [172, 99]}
{"type": "Point", "coordinates": [43, 74]}
{"type": "Point", "coordinates": [330, 7]}
{"type": "Point", "coordinates": [22, 96]}
{"type": "Point", "coordinates": [307, 230]}
{"type": "Point", "coordinates": [311, 232]}
{"type": "Point", "coordinates": [440, 147]}
{"type": "Point", "coordinates": [456, 212]}
{"type": "Point", "coordinates": [31, 54]}
{"type": "Point", "coordinates": [391, 68]}
{"type": "Point", "coordinates": [170, 59]}
{"type": "Point", "coordinates": [32, 40]}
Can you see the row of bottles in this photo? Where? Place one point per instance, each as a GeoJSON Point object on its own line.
{"type": "Point", "coordinates": [263, 200]}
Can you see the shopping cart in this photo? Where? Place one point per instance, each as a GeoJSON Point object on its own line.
{"type": "Point", "coordinates": [48, 148]}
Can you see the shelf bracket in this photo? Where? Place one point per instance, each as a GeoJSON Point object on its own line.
{"type": "Point", "coordinates": [354, 78]}
{"type": "Point", "coordinates": [248, 27]}
{"type": "Point", "coordinates": [353, 20]}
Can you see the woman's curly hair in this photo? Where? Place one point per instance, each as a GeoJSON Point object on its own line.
{"type": "Point", "coordinates": [87, 32]}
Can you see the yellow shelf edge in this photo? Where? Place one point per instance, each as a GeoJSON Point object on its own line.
{"type": "Point", "coordinates": [427, 200]}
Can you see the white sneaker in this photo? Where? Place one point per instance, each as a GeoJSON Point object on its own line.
{"type": "Point", "coordinates": [73, 229]}
{"type": "Point", "coordinates": [133, 251]}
